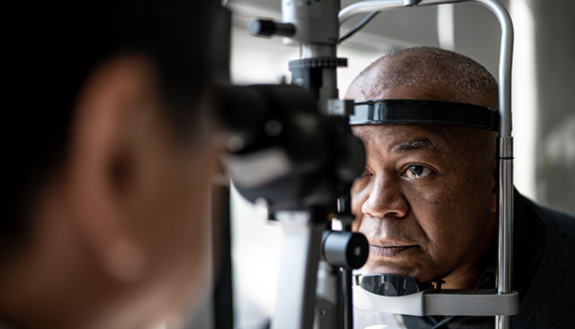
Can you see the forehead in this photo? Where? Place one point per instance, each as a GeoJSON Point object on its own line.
{"type": "Point", "coordinates": [453, 144]}
{"type": "Point", "coordinates": [367, 90]}
{"type": "Point", "coordinates": [401, 138]}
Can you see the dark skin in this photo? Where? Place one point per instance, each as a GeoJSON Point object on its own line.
{"type": "Point", "coordinates": [427, 199]}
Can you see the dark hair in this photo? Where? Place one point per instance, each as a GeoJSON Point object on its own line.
{"type": "Point", "coordinates": [52, 47]}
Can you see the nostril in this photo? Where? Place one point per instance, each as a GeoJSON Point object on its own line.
{"type": "Point", "coordinates": [396, 207]}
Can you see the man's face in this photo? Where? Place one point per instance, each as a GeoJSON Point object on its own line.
{"type": "Point", "coordinates": [426, 199]}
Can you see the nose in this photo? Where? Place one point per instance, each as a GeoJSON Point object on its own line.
{"type": "Point", "coordinates": [385, 199]}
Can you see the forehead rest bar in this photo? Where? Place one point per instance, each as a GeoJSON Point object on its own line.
{"type": "Point", "coordinates": [412, 111]}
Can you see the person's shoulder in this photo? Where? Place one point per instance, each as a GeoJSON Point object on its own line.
{"type": "Point", "coordinates": [561, 222]}
{"type": "Point", "coordinates": [549, 301]}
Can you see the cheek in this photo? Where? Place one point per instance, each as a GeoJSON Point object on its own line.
{"type": "Point", "coordinates": [451, 214]}
{"type": "Point", "coordinates": [178, 212]}
{"type": "Point", "coordinates": [436, 209]}
{"type": "Point", "coordinates": [191, 221]}
{"type": "Point", "coordinates": [359, 193]}
{"type": "Point", "coordinates": [187, 242]}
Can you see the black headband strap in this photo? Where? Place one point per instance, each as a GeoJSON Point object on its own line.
{"type": "Point", "coordinates": [411, 111]}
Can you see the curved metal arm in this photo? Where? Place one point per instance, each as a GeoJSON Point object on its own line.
{"type": "Point", "coordinates": [368, 6]}
{"type": "Point", "coordinates": [506, 53]}
{"type": "Point", "coordinates": [505, 141]}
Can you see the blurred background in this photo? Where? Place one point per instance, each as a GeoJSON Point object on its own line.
{"type": "Point", "coordinates": [544, 114]}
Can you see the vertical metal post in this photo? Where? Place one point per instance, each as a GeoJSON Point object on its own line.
{"type": "Point", "coordinates": [328, 298]}
{"type": "Point", "coordinates": [317, 32]}
{"type": "Point", "coordinates": [505, 260]}
{"type": "Point", "coordinates": [505, 245]}
{"type": "Point", "coordinates": [346, 217]}
{"type": "Point", "coordinates": [328, 88]}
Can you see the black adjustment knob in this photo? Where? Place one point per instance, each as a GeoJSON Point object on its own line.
{"type": "Point", "coordinates": [345, 249]}
{"type": "Point", "coordinates": [317, 62]}
{"type": "Point", "coordinates": [267, 28]}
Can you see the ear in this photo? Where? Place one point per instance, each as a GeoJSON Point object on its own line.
{"type": "Point", "coordinates": [115, 95]}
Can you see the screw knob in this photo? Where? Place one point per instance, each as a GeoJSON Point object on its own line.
{"type": "Point", "coordinates": [267, 28]}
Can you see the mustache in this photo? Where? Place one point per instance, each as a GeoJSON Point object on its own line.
{"type": "Point", "coordinates": [376, 229]}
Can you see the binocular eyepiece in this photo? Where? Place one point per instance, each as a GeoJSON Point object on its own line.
{"type": "Point", "coordinates": [282, 148]}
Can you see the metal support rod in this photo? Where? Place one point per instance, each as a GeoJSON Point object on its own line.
{"type": "Point", "coordinates": [506, 51]}
{"type": "Point", "coordinates": [505, 252]}
{"type": "Point", "coordinates": [328, 89]}
{"type": "Point", "coordinates": [344, 209]}
{"type": "Point", "coordinates": [347, 298]}
{"type": "Point", "coordinates": [502, 321]}
{"type": "Point", "coordinates": [328, 298]}
{"type": "Point", "coordinates": [504, 270]}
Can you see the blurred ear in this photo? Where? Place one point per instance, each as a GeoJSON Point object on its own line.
{"type": "Point", "coordinates": [100, 162]}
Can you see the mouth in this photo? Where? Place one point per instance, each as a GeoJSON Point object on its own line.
{"type": "Point", "coordinates": [390, 251]}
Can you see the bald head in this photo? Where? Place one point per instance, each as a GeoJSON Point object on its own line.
{"type": "Point", "coordinates": [426, 73]}
{"type": "Point", "coordinates": [432, 74]}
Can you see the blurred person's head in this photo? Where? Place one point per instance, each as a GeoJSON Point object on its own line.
{"type": "Point", "coordinates": [106, 162]}
{"type": "Point", "coordinates": [427, 198]}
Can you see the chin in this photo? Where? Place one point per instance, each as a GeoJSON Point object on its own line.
{"type": "Point", "coordinates": [389, 269]}
{"type": "Point", "coordinates": [421, 274]}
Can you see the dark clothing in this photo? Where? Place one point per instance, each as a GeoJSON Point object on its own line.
{"type": "Point", "coordinates": [549, 302]}
{"type": "Point", "coordinates": [543, 272]}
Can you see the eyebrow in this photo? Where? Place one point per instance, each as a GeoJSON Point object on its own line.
{"type": "Point", "coordinates": [418, 144]}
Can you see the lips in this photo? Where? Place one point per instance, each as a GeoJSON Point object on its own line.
{"type": "Point", "coordinates": [390, 251]}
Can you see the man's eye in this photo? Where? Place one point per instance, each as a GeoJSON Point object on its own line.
{"type": "Point", "coordinates": [415, 172]}
{"type": "Point", "coordinates": [364, 174]}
